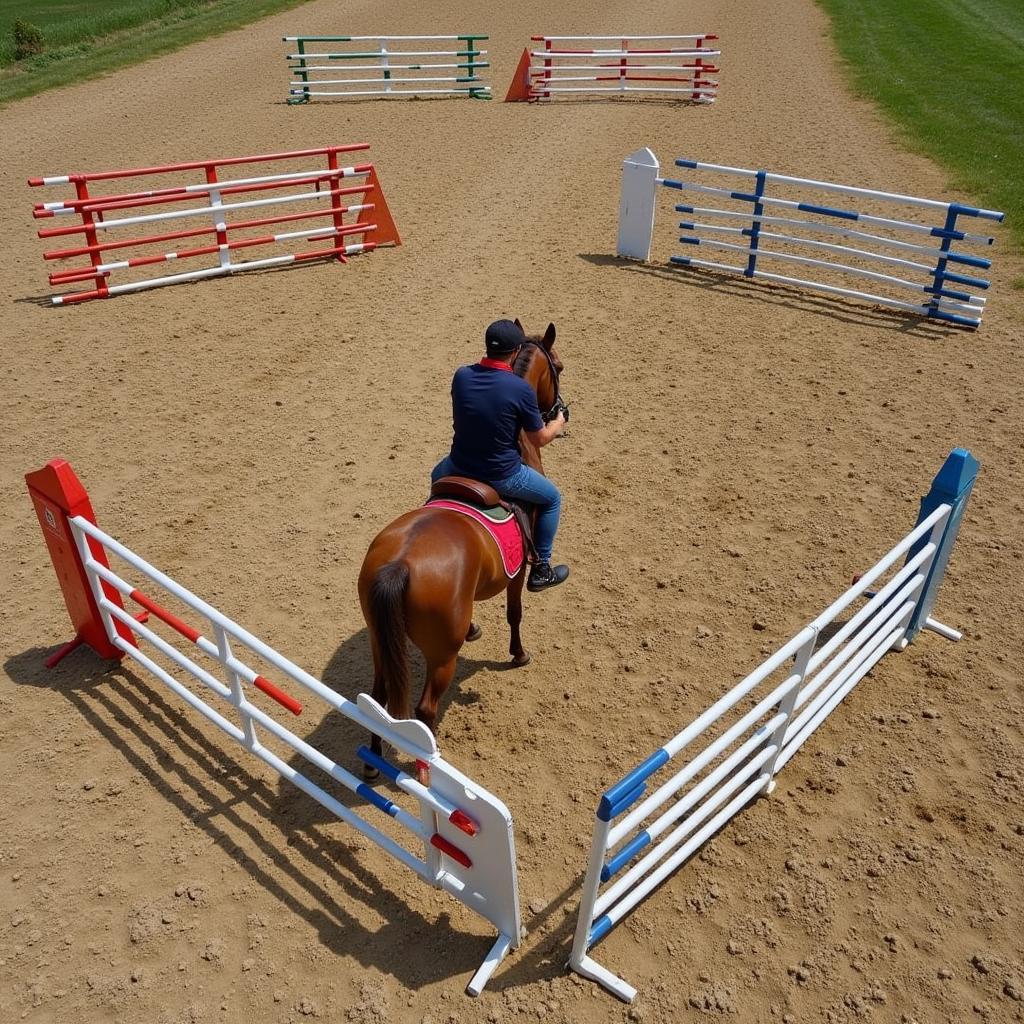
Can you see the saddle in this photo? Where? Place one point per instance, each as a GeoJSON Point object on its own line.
{"type": "Point", "coordinates": [508, 522]}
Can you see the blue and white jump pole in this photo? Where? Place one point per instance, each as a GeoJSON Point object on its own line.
{"type": "Point", "coordinates": [924, 264]}
{"type": "Point", "coordinates": [640, 840]}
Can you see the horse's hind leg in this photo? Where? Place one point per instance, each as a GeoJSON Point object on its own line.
{"type": "Point", "coordinates": [439, 677]}
{"type": "Point", "coordinates": [380, 695]}
{"type": "Point", "coordinates": [514, 615]}
{"type": "Point", "coordinates": [474, 632]}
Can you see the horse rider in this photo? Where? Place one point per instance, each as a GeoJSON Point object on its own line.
{"type": "Point", "coordinates": [490, 405]}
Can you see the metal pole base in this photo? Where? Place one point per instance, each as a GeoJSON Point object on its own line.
{"type": "Point", "coordinates": [487, 968]}
{"type": "Point", "coordinates": [612, 982]}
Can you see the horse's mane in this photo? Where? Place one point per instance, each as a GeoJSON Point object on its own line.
{"type": "Point", "coordinates": [520, 366]}
{"type": "Point", "coordinates": [525, 357]}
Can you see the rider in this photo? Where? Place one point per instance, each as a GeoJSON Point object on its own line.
{"type": "Point", "coordinates": [490, 405]}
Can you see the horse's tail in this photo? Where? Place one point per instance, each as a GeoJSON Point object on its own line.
{"type": "Point", "coordinates": [387, 606]}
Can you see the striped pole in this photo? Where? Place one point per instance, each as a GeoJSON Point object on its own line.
{"type": "Point", "coordinates": [221, 199]}
{"type": "Point", "coordinates": [668, 68]}
{"type": "Point", "coordinates": [465, 61]}
{"type": "Point", "coordinates": [458, 837]}
{"type": "Point", "coordinates": [935, 282]}
{"type": "Point", "coordinates": [736, 747]}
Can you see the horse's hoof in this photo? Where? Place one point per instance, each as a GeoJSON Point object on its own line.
{"type": "Point", "coordinates": [370, 774]}
{"type": "Point", "coordinates": [475, 632]}
{"type": "Point", "coordinates": [522, 659]}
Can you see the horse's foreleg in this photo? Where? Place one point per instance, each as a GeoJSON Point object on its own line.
{"type": "Point", "coordinates": [514, 615]}
{"type": "Point", "coordinates": [473, 633]}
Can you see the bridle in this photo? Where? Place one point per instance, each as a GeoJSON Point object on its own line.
{"type": "Point", "coordinates": [559, 405]}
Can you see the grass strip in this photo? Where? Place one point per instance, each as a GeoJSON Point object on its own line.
{"type": "Point", "coordinates": [951, 75]}
{"type": "Point", "coordinates": [88, 38]}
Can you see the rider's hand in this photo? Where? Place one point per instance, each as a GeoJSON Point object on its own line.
{"type": "Point", "coordinates": [560, 420]}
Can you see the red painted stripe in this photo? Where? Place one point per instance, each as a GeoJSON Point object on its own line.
{"type": "Point", "coordinates": [164, 615]}
{"type": "Point", "coordinates": [640, 78]}
{"type": "Point", "coordinates": [282, 698]}
{"type": "Point", "coordinates": [224, 162]}
{"type": "Point", "coordinates": [326, 193]}
{"type": "Point", "coordinates": [235, 225]}
{"type": "Point", "coordinates": [439, 842]}
{"type": "Point", "coordinates": [105, 204]}
{"type": "Point", "coordinates": [338, 251]}
{"type": "Point", "coordinates": [464, 822]}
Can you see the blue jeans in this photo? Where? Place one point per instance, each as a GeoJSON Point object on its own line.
{"type": "Point", "coordinates": [526, 484]}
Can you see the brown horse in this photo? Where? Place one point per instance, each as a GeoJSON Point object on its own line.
{"type": "Point", "coordinates": [423, 572]}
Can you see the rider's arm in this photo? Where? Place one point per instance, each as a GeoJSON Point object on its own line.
{"type": "Point", "coordinates": [548, 432]}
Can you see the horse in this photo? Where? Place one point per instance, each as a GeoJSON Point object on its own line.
{"type": "Point", "coordinates": [424, 571]}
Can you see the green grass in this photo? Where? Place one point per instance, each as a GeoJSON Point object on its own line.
{"type": "Point", "coordinates": [951, 74]}
{"type": "Point", "coordinates": [85, 38]}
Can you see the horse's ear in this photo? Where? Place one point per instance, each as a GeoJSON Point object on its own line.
{"type": "Point", "coordinates": [549, 337]}
{"type": "Point", "coordinates": [519, 325]}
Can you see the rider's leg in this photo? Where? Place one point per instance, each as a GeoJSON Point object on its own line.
{"type": "Point", "coordinates": [444, 468]}
{"type": "Point", "coordinates": [529, 485]}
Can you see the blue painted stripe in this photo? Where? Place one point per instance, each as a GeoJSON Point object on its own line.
{"type": "Point", "coordinates": [939, 272]}
{"type": "Point", "coordinates": [755, 229]}
{"type": "Point", "coordinates": [669, 183]}
{"type": "Point", "coordinates": [967, 211]}
{"type": "Point", "coordinates": [689, 239]}
{"type": "Point", "coordinates": [952, 318]}
{"type": "Point", "coordinates": [969, 261]}
{"type": "Point", "coordinates": [683, 261]}
{"type": "Point", "coordinates": [691, 164]}
{"type": "Point", "coordinates": [974, 282]}
{"type": "Point", "coordinates": [631, 786]}
{"type": "Point", "coordinates": [599, 929]}
{"type": "Point", "coordinates": [685, 225]}
{"type": "Point", "coordinates": [946, 293]}
{"type": "Point", "coordinates": [616, 807]}
{"type": "Point", "coordinates": [625, 855]}
{"type": "Point", "coordinates": [743, 197]}
{"type": "Point", "coordinates": [369, 794]}
{"type": "Point", "coordinates": [386, 768]}
{"type": "Point", "coordinates": [956, 236]}
{"type": "Point", "coordinates": [828, 211]}
{"type": "Point", "coordinates": [684, 209]}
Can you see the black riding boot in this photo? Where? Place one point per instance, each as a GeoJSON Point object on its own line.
{"type": "Point", "coordinates": [544, 575]}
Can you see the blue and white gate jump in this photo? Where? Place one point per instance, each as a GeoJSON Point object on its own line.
{"type": "Point", "coordinates": [761, 237]}
{"type": "Point", "coordinates": [745, 746]}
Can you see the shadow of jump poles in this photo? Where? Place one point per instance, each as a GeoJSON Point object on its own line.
{"type": "Point", "coordinates": [462, 836]}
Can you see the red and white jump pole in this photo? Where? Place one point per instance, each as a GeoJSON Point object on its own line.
{"type": "Point", "coordinates": [676, 65]}
{"type": "Point", "coordinates": [369, 218]}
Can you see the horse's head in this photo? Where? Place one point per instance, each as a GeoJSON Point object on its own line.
{"type": "Point", "coordinates": [539, 365]}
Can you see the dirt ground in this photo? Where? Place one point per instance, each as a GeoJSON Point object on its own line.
{"type": "Point", "coordinates": [737, 452]}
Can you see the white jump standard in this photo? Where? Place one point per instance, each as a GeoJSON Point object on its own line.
{"type": "Point", "coordinates": [742, 747]}
{"type": "Point", "coordinates": [461, 835]}
{"type": "Point", "coordinates": [766, 228]}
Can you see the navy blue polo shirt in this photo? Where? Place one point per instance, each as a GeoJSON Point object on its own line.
{"type": "Point", "coordinates": [489, 408]}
